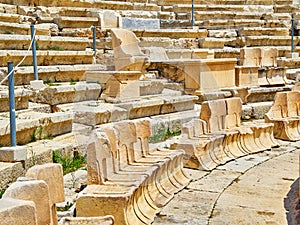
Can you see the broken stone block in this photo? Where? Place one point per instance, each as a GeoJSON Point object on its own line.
{"type": "Point", "coordinates": [117, 84]}
{"type": "Point", "coordinates": [33, 190]}
{"type": "Point", "coordinates": [13, 154]}
{"type": "Point", "coordinates": [52, 174]}
{"type": "Point", "coordinates": [15, 211]}
{"type": "Point", "coordinates": [127, 53]}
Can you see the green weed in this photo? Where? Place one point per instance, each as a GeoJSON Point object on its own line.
{"type": "Point", "coordinates": [69, 164]}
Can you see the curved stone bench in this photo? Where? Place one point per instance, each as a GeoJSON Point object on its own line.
{"type": "Point", "coordinates": [285, 115]}
{"type": "Point", "coordinates": [126, 178]}
{"type": "Point", "coordinates": [219, 136]}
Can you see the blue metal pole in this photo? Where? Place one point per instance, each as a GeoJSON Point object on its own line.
{"type": "Point", "coordinates": [293, 34]}
{"type": "Point", "coordinates": [193, 12]}
{"type": "Point", "coordinates": [35, 71]}
{"type": "Point", "coordinates": [12, 111]}
{"type": "Point", "coordinates": [94, 40]}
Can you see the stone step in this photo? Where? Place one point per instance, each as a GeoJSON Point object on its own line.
{"type": "Point", "coordinates": [32, 126]}
{"type": "Point", "coordinates": [293, 74]}
{"type": "Point", "coordinates": [146, 14]}
{"type": "Point", "coordinates": [171, 33]}
{"type": "Point", "coordinates": [168, 43]}
{"type": "Point", "coordinates": [95, 113]}
{"type": "Point", "coordinates": [214, 43]}
{"type": "Point", "coordinates": [24, 29]}
{"type": "Point", "coordinates": [286, 8]}
{"type": "Point", "coordinates": [60, 93]}
{"type": "Point", "coordinates": [220, 2]}
{"type": "Point", "coordinates": [21, 42]}
{"type": "Point", "coordinates": [6, 8]}
{"type": "Point", "coordinates": [204, 15]}
{"type": "Point", "coordinates": [238, 23]}
{"type": "Point", "coordinates": [51, 74]}
{"type": "Point", "coordinates": [116, 5]}
{"type": "Point", "coordinates": [180, 7]}
{"type": "Point", "coordinates": [45, 58]}
{"type": "Point", "coordinates": [10, 18]}
{"type": "Point", "coordinates": [21, 98]}
{"type": "Point", "coordinates": [292, 63]}
{"type": "Point", "coordinates": [76, 22]}
{"type": "Point", "coordinates": [234, 52]}
{"type": "Point", "coordinates": [265, 40]}
{"type": "Point", "coordinates": [257, 31]}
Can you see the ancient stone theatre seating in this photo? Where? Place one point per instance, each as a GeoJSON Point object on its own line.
{"type": "Point", "coordinates": [126, 178]}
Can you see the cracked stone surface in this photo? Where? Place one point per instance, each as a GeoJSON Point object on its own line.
{"type": "Point", "coordinates": [254, 189]}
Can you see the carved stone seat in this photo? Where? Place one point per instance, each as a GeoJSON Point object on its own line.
{"type": "Point", "coordinates": [126, 178]}
{"type": "Point", "coordinates": [285, 115]}
{"type": "Point", "coordinates": [219, 136]}
{"type": "Point", "coordinates": [127, 53]}
{"type": "Point", "coordinates": [258, 67]}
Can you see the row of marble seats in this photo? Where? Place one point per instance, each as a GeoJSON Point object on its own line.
{"type": "Point", "coordinates": [126, 178]}
{"type": "Point", "coordinates": [219, 136]}
{"type": "Point", "coordinates": [285, 114]}
{"type": "Point", "coordinates": [258, 67]}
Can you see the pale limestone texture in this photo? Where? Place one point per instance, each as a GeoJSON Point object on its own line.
{"type": "Point", "coordinates": [52, 174]}
{"type": "Point", "coordinates": [14, 212]}
{"type": "Point", "coordinates": [13, 154]}
{"type": "Point", "coordinates": [284, 113]}
{"type": "Point", "coordinates": [36, 191]}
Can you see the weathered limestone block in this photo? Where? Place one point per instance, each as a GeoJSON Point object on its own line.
{"type": "Point", "coordinates": [117, 84]}
{"type": "Point", "coordinates": [127, 53]}
{"type": "Point", "coordinates": [197, 74]}
{"type": "Point", "coordinates": [75, 22]}
{"type": "Point", "coordinates": [9, 172]}
{"type": "Point", "coordinates": [105, 220]}
{"type": "Point", "coordinates": [151, 87]}
{"type": "Point", "coordinates": [284, 113]}
{"type": "Point", "coordinates": [13, 154]}
{"type": "Point", "coordinates": [36, 125]}
{"type": "Point", "coordinates": [52, 174]}
{"type": "Point", "coordinates": [15, 211]}
{"type": "Point", "coordinates": [54, 95]}
{"type": "Point", "coordinates": [33, 190]}
{"type": "Point", "coordinates": [246, 76]}
{"type": "Point", "coordinates": [93, 113]}
{"type": "Point", "coordinates": [21, 99]}
{"type": "Point", "coordinates": [22, 42]}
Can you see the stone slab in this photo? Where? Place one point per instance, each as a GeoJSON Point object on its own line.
{"type": "Point", "coordinates": [134, 23]}
{"type": "Point", "coordinates": [14, 212]}
{"type": "Point", "coordinates": [13, 154]}
{"type": "Point", "coordinates": [216, 182]}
